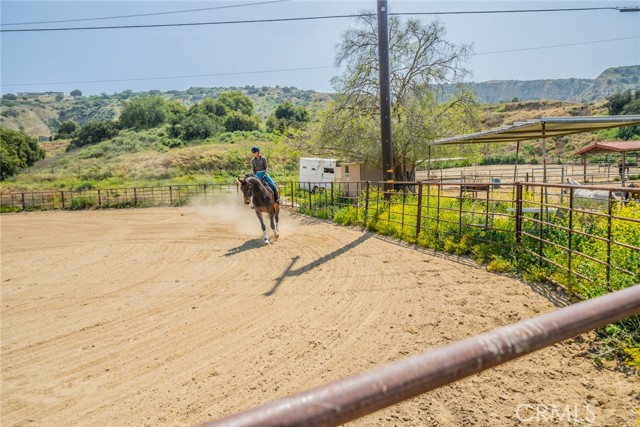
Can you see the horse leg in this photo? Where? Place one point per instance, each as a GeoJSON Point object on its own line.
{"type": "Point", "coordinates": [277, 216]}
{"type": "Point", "coordinates": [274, 225]}
{"type": "Point", "coordinates": [264, 227]}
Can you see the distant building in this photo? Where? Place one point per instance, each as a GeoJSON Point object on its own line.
{"type": "Point", "coordinates": [39, 94]}
{"type": "Point", "coordinates": [45, 138]}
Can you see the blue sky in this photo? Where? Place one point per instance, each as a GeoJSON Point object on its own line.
{"type": "Point", "coordinates": [66, 59]}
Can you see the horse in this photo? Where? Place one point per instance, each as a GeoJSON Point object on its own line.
{"type": "Point", "coordinates": [263, 202]}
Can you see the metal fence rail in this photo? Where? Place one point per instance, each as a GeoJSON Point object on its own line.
{"type": "Point", "coordinates": [362, 394]}
{"type": "Point", "coordinates": [589, 245]}
{"type": "Point", "coordinates": [171, 195]}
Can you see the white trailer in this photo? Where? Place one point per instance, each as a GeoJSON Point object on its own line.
{"type": "Point", "coordinates": [316, 173]}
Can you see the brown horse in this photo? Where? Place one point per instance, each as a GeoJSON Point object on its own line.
{"type": "Point", "coordinates": [263, 202]}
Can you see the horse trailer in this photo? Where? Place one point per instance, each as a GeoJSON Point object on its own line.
{"type": "Point", "coordinates": [316, 173]}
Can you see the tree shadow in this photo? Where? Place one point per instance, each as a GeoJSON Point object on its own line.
{"type": "Point", "coordinates": [288, 272]}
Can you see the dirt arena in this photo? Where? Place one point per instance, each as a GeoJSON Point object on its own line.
{"type": "Point", "coordinates": [177, 316]}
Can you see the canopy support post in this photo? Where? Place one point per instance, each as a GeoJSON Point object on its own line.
{"type": "Point", "coordinates": [515, 169]}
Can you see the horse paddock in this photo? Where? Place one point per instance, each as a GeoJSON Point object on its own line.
{"type": "Point", "coordinates": [177, 316]}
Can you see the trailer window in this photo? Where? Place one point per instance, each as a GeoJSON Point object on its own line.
{"type": "Point", "coordinates": [328, 170]}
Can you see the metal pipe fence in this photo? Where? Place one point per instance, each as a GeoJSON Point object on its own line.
{"type": "Point", "coordinates": [345, 400]}
{"type": "Point", "coordinates": [584, 238]}
{"type": "Point", "coordinates": [171, 195]}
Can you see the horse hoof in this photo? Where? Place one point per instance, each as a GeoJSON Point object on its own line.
{"type": "Point", "coordinates": [266, 241]}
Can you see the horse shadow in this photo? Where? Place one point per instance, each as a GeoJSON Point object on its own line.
{"type": "Point", "coordinates": [246, 246]}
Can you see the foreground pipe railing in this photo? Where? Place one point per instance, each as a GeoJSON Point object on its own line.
{"type": "Point", "coordinates": [345, 400]}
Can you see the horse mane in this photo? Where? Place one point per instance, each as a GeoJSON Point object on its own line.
{"type": "Point", "coordinates": [257, 186]}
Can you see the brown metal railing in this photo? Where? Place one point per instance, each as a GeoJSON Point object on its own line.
{"type": "Point", "coordinates": [345, 400]}
{"type": "Point", "coordinates": [170, 195]}
{"type": "Point", "coordinates": [572, 239]}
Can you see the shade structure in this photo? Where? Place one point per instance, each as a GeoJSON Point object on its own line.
{"type": "Point", "coordinates": [610, 146]}
{"type": "Point", "coordinates": [544, 127]}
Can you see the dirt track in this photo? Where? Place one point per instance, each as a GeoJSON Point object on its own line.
{"type": "Point", "coordinates": [176, 316]}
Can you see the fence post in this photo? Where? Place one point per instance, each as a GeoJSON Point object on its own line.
{"type": "Point", "coordinates": [609, 212]}
{"type": "Point", "coordinates": [332, 202]}
{"type": "Point", "coordinates": [419, 216]}
{"type": "Point", "coordinates": [366, 204]}
{"type": "Point", "coordinates": [541, 219]}
{"type": "Point", "coordinates": [135, 196]}
{"type": "Point", "coordinates": [170, 196]}
{"type": "Point", "coordinates": [24, 206]}
{"type": "Point", "coordinates": [62, 198]}
{"type": "Point", "coordinates": [570, 237]}
{"type": "Point", "coordinates": [460, 213]}
{"type": "Point", "coordinates": [519, 186]}
{"type": "Point", "coordinates": [99, 198]}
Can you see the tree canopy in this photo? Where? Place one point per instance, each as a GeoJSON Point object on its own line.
{"type": "Point", "coordinates": [17, 151]}
{"type": "Point", "coordinates": [421, 60]}
{"type": "Point", "coordinates": [286, 116]}
{"type": "Point", "coordinates": [625, 103]}
{"type": "Point", "coordinates": [143, 113]}
{"type": "Point", "coordinates": [236, 101]}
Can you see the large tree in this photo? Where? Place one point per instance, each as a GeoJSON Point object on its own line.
{"type": "Point", "coordinates": [236, 101]}
{"type": "Point", "coordinates": [145, 112]}
{"type": "Point", "coordinates": [421, 61]}
{"type": "Point", "coordinates": [17, 151]}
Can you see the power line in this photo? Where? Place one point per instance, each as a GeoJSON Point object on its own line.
{"type": "Point", "coordinates": [307, 18]}
{"type": "Point", "coordinates": [148, 14]}
{"type": "Point", "coordinates": [557, 45]}
{"type": "Point", "coordinates": [292, 69]}
{"type": "Point", "coordinates": [172, 77]}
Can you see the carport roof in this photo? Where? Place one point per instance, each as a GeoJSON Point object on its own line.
{"type": "Point", "coordinates": [617, 146]}
{"type": "Point", "coordinates": [544, 127]}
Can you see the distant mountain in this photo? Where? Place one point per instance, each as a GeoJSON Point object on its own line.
{"type": "Point", "coordinates": [612, 80]}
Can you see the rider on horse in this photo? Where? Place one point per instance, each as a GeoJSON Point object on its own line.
{"type": "Point", "coordinates": [259, 164]}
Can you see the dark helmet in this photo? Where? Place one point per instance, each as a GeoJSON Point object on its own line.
{"type": "Point", "coordinates": [255, 149]}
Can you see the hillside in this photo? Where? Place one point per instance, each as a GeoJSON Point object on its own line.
{"type": "Point", "coordinates": [41, 116]}
{"type": "Point", "coordinates": [610, 81]}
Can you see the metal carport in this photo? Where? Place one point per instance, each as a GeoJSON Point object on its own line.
{"type": "Point", "coordinates": [539, 129]}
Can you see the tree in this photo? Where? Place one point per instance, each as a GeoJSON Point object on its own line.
{"type": "Point", "coordinates": [286, 116]}
{"type": "Point", "coordinates": [94, 132]}
{"type": "Point", "coordinates": [236, 121]}
{"type": "Point", "coordinates": [624, 104]}
{"type": "Point", "coordinates": [421, 60]}
{"type": "Point", "coordinates": [9, 96]}
{"type": "Point", "coordinates": [144, 113]}
{"type": "Point", "coordinates": [17, 151]}
{"type": "Point", "coordinates": [236, 101]}
{"type": "Point", "coordinates": [211, 107]}
{"type": "Point", "coordinates": [76, 93]}
{"type": "Point", "coordinates": [195, 126]}
{"type": "Point", "coordinates": [66, 129]}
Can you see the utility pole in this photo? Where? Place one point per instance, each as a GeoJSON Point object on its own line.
{"type": "Point", "coordinates": [385, 94]}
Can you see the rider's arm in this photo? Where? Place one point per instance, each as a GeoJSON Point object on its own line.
{"type": "Point", "coordinates": [266, 168]}
{"type": "Point", "coordinates": [253, 165]}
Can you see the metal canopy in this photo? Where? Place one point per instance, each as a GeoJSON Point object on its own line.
{"type": "Point", "coordinates": [545, 127]}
